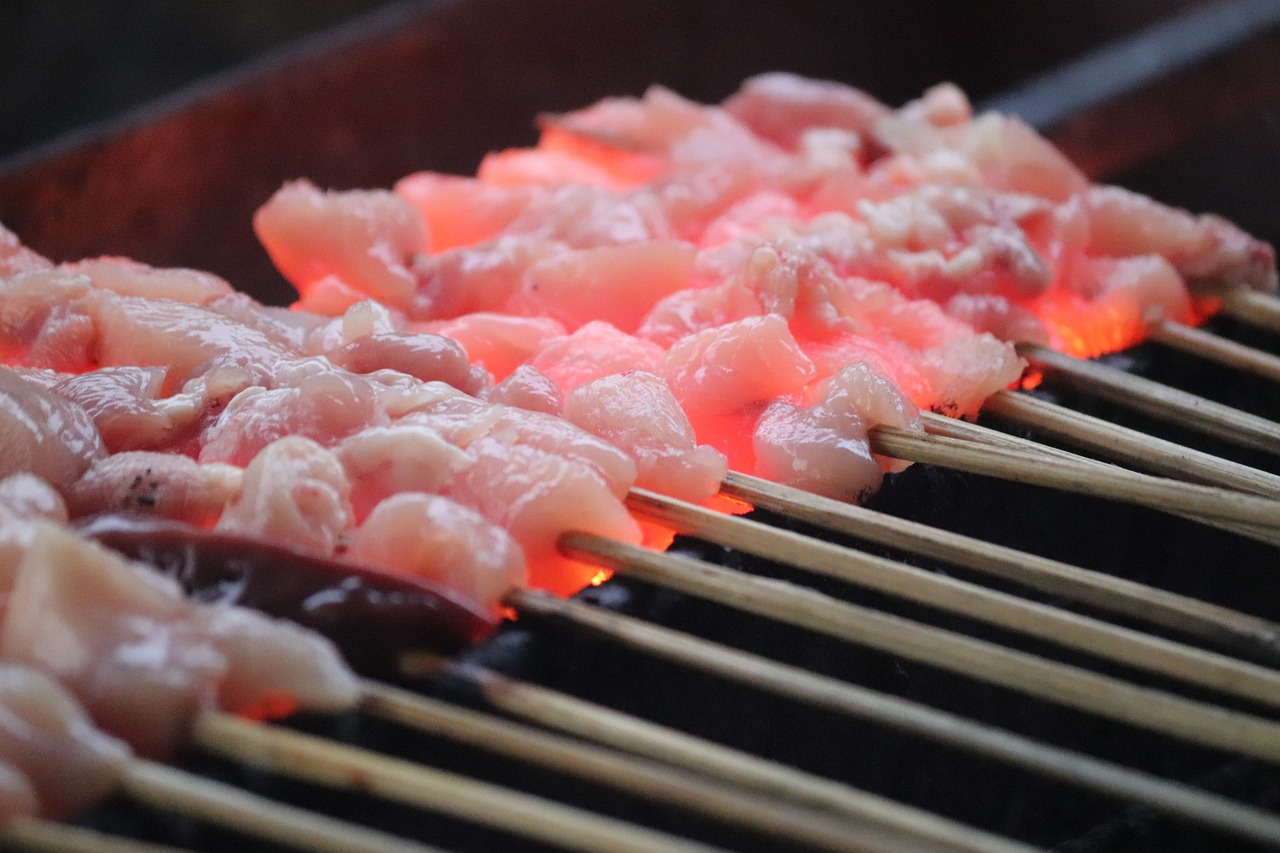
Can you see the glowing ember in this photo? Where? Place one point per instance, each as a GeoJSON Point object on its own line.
{"type": "Point", "coordinates": [1085, 330]}
{"type": "Point", "coordinates": [273, 706]}
{"type": "Point", "coordinates": [600, 577]}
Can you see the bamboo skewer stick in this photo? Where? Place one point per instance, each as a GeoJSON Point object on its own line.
{"type": "Point", "coordinates": [1215, 348]}
{"type": "Point", "coordinates": [170, 789]}
{"type": "Point", "coordinates": [43, 836]}
{"type": "Point", "coordinates": [1130, 446]}
{"type": "Point", "coordinates": [1097, 479]}
{"type": "Point", "coordinates": [336, 765]}
{"type": "Point", "coordinates": [820, 691]}
{"type": "Point", "coordinates": [1260, 309]}
{"type": "Point", "coordinates": [1155, 399]}
{"type": "Point", "coordinates": [631, 734]}
{"type": "Point", "coordinates": [962, 430]}
{"type": "Point", "coordinates": [1043, 621]}
{"type": "Point", "coordinates": [1025, 462]}
{"type": "Point", "coordinates": [786, 821]}
{"type": "Point", "coordinates": [1219, 625]}
{"type": "Point", "coordinates": [1067, 685]}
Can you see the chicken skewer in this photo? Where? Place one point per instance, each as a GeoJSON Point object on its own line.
{"type": "Point", "coordinates": [1259, 309]}
{"type": "Point", "coordinates": [1216, 348]}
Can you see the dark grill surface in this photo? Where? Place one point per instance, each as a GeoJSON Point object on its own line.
{"type": "Point", "coordinates": [435, 87]}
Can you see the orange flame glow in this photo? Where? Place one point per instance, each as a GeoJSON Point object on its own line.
{"type": "Point", "coordinates": [1083, 329]}
{"type": "Point", "coordinates": [272, 706]}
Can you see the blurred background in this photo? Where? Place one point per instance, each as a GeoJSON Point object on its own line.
{"type": "Point", "coordinates": [64, 63]}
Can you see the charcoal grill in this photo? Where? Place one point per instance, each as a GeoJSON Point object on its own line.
{"type": "Point", "coordinates": [435, 85]}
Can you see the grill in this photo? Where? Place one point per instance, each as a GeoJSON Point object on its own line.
{"type": "Point", "coordinates": [778, 717]}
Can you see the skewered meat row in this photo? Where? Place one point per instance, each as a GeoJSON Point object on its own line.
{"type": "Point", "coordinates": [87, 639]}
{"type": "Point", "coordinates": [207, 407]}
{"type": "Point", "coordinates": [53, 759]}
{"type": "Point", "coordinates": [748, 255]}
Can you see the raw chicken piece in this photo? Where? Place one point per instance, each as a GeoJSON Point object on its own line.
{"type": "Point", "coordinates": [131, 278]}
{"type": "Point", "coordinates": [595, 350]}
{"type": "Point", "coordinates": [397, 394]}
{"type": "Point", "coordinates": [1012, 157]}
{"type": "Point", "coordinates": [296, 494]}
{"type": "Point", "coordinates": [541, 167]}
{"type": "Point", "coordinates": [16, 258]}
{"type": "Point", "coordinates": [824, 448]}
{"type": "Point", "coordinates": [613, 167]}
{"type": "Point", "coordinates": [637, 413]}
{"type": "Point", "coordinates": [43, 324]}
{"type": "Point", "coordinates": [1001, 152]}
{"type": "Point", "coordinates": [402, 457]}
{"type": "Point", "coordinates": [751, 217]}
{"type": "Point", "coordinates": [458, 418]}
{"type": "Point", "coordinates": [565, 157]}
{"type": "Point", "coordinates": [435, 538]}
{"type": "Point", "coordinates": [274, 667]}
{"type": "Point", "coordinates": [1210, 253]}
{"type": "Point", "coordinates": [616, 284]}
{"type": "Point", "coordinates": [781, 107]}
{"type": "Point", "coordinates": [581, 217]}
{"type": "Point", "coordinates": [838, 321]}
{"type": "Point", "coordinates": [183, 338]}
{"type": "Point", "coordinates": [475, 278]}
{"type": "Point", "coordinates": [365, 238]}
{"type": "Point", "coordinates": [724, 376]}
{"type": "Point", "coordinates": [463, 421]}
{"type": "Point", "coordinates": [964, 373]}
{"type": "Point", "coordinates": [934, 241]}
{"type": "Point", "coordinates": [529, 388]}
{"type": "Point", "coordinates": [422, 356]}
{"type": "Point", "coordinates": [127, 408]}
{"type": "Point", "coordinates": [167, 485]}
{"type": "Point", "coordinates": [997, 316]}
{"type": "Point", "coordinates": [25, 500]}
{"type": "Point", "coordinates": [28, 496]}
{"type": "Point", "coordinates": [43, 433]}
{"type": "Point", "coordinates": [497, 342]}
{"type": "Point", "coordinates": [537, 497]}
{"type": "Point", "coordinates": [122, 638]}
{"type": "Point", "coordinates": [656, 123]}
{"type": "Point", "coordinates": [53, 760]}
{"type": "Point", "coordinates": [288, 329]}
{"type": "Point", "coordinates": [82, 615]}
{"type": "Point", "coordinates": [688, 311]}
{"type": "Point", "coordinates": [312, 398]}
{"type": "Point", "coordinates": [726, 368]}
{"type": "Point", "coordinates": [461, 211]}
{"type": "Point", "coordinates": [358, 320]}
